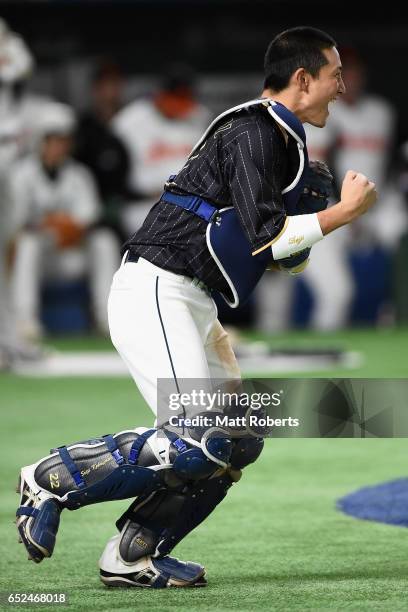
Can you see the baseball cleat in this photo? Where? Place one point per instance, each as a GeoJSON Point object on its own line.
{"type": "Point", "coordinates": [158, 574]}
{"type": "Point", "coordinates": [37, 522]}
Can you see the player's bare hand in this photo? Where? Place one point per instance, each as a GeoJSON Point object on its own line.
{"type": "Point", "coordinates": [65, 230]}
{"type": "Point", "coordinates": [358, 194]}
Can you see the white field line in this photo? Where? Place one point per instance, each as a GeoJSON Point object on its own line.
{"type": "Point", "coordinates": [99, 363]}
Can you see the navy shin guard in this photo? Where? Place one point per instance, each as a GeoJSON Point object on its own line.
{"type": "Point", "coordinates": [102, 469]}
{"type": "Point", "coordinates": [199, 502]}
{"type": "Point", "coordinates": [155, 524]}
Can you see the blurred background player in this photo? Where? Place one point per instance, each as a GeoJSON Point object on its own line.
{"type": "Point", "coordinates": [57, 203]}
{"type": "Point", "coordinates": [100, 149]}
{"type": "Point", "coordinates": [20, 113]}
{"type": "Point", "coordinates": [359, 133]}
{"type": "Point", "coordinates": [159, 132]}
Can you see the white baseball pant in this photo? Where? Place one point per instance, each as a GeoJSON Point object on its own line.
{"type": "Point", "coordinates": [38, 258]}
{"type": "Point", "coordinates": [164, 326]}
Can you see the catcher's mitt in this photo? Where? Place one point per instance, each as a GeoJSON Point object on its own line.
{"type": "Point", "coordinates": [295, 263]}
{"type": "Point", "coordinates": [315, 197]}
{"type": "Point", "coordinates": [317, 190]}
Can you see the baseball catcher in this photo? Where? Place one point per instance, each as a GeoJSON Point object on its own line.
{"type": "Point", "coordinates": [246, 199]}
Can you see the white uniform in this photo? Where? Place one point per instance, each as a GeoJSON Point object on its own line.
{"type": "Point", "coordinates": [19, 118]}
{"type": "Point", "coordinates": [178, 335]}
{"type": "Point", "coordinates": [72, 192]}
{"type": "Point", "coordinates": [357, 136]}
{"type": "Point", "coordinates": [157, 147]}
{"type": "Point", "coordinates": [361, 135]}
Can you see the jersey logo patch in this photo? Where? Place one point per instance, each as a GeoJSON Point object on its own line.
{"type": "Point", "coordinates": [223, 128]}
{"type": "Point", "coordinates": [296, 240]}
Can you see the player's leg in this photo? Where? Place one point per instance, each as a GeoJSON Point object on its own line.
{"type": "Point", "coordinates": [154, 326]}
{"type": "Point", "coordinates": [158, 523]}
{"type": "Point", "coordinates": [153, 525]}
{"type": "Point", "coordinates": [332, 299]}
{"type": "Point", "coordinates": [132, 463]}
{"type": "Point", "coordinates": [74, 476]}
{"type": "Point", "coordinates": [159, 324]}
{"type": "Point", "coordinates": [6, 319]}
{"type": "Point", "coordinates": [177, 319]}
{"type": "Point", "coordinates": [13, 348]}
{"type": "Point", "coordinates": [273, 298]}
{"type": "Point", "coordinates": [27, 274]}
{"type": "Point", "coordinates": [205, 495]}
{"type": "Point", "coordinates": [26, 283]}
{"type": "Point", "coordinates": [7, 335]}
{"type": "Point", "coordinates": [103, 260]}
{"type": "Point", "coordinates": [221, 359]}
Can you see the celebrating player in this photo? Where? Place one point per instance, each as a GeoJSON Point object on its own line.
{"type": "Point", "coordinates": [246, 199]}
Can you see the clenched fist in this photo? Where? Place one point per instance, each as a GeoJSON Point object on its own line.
{"type": "Point", "coordinates": [358, 194]}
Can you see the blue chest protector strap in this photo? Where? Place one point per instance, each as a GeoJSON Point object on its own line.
{"type": "Point", "coordinates": [203, 209]}
{"type": "Point", "coordinates": [226, 239]}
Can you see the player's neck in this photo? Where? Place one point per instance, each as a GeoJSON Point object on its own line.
{"type": "Point", "coordinates": [290, 98]}
{"type": "Point", "coordinates": [285, 97]}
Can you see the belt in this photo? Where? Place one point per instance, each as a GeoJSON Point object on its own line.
{"type": "Point", "coordinates": [196, 282]}
{"type": "Point", "coordinates": [132, 257]}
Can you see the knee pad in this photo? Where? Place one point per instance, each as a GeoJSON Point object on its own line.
{"type": "Point", "coordinates": [122, 466]}
{"type": "Point", "coordinates": [101, 469]}
{"type": "Point", "coordinates": [245, 451]}
{"type": "Point", "coordinates": [198, 463]}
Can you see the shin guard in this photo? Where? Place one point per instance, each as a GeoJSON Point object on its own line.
{"type": "Point", "coordinates": [155, 524]}
{"type": "Point", "coordinates": [102, 469]}
{"type": "Point", "coordinates": [97, 470]}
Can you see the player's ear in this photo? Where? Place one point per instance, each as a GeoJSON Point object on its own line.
{"type": "Point", "coordinates": [302, 79]}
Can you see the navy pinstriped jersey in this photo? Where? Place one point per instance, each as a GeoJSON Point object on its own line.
{"type": "Point", "coordinates": [245, 163]}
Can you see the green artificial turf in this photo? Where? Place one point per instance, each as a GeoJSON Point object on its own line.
{"type": "Point", "coordinates": [275, 543]}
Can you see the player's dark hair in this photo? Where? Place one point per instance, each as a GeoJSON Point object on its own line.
{"type": "Point", "coordinates": [106, 69]}
{"type": "Point", "coordinates": [300, 47]}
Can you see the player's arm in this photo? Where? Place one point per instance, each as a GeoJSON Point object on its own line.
{"type": "Point", "coordinates": [254, 168]}
{"type": "Point", "coordinates": [70, 226]}
{"type": "Point", "coordinates": [358, 194]}
{"type": "Point", "coordinates": [253, 172]}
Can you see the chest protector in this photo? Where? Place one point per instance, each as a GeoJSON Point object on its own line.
{"type": "Point", "coordinates": [226, 239]}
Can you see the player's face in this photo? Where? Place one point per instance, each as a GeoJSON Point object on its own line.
{"type": "Point", "coordinates": [324, 89]}
{"type": "Point", "coordinates": [55, 149]}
